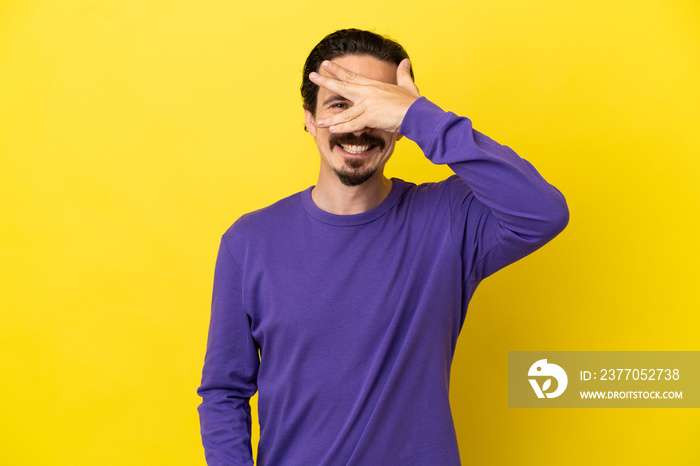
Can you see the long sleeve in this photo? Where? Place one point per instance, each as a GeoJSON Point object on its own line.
{"type": "Point", "coordinates": [502, 209]}
{"type": "Point", "coordinates": [230, 371]}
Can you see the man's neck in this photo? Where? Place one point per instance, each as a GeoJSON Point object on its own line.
{"type": "Point", "coordinates": [334, 197]}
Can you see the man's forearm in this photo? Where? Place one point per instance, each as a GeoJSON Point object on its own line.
{"type": "Point", "coordinates": [508, 185]}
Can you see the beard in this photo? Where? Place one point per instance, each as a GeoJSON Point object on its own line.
{"type": "Point", "coordinates": [355, 171]}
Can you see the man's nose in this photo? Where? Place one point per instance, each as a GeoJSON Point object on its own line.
{"type": "Point", "coordinates": [361, 132]}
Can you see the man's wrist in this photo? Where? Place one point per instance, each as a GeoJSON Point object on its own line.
{"type": "Point", "coordinates": [420, 121]}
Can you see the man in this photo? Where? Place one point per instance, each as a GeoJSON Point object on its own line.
{"type": "Point", "coordinates": [341, 305]}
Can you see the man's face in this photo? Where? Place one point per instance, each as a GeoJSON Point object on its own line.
{"type": "Point", "coordinates": [352, 157]}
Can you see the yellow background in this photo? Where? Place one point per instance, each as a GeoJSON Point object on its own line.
{"type": "Point", "coordinates": [134, 132]}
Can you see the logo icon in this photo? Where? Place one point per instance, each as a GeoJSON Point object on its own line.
{"type": "Point", "coordinates": [543, 369]}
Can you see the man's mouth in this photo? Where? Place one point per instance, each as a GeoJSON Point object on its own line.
{"type": "Point", "coordinates": [356, 149]}
{"type": "Point", "coordinates": [356, 145]}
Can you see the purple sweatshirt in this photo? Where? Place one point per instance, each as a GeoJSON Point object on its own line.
{"type": "Point", "coordinates": [346, 325]}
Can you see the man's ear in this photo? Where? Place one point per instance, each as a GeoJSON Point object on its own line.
{"type": "Point", "coordinates": [310, 122]}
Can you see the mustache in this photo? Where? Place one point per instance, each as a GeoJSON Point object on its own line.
{"type": "Point", "coordinates": [364, 139]}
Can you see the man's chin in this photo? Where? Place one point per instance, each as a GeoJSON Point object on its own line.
{"type": "Point", "coordinates": [354, 177]}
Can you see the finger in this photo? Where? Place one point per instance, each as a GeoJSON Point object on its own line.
{"type": "Point", "coordinates": [342, 117]}
{"type": "Point", "coordinates": [355, 124]}
{"type": "Point", "coordinates": [403, 75]}
{"type": "Point", "coordinates": [343, 88]}
{"type": "Point", "coordinates": [344, 74]}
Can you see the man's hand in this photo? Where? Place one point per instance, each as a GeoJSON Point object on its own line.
{"type": "Point", "coordinates": [376, 104]}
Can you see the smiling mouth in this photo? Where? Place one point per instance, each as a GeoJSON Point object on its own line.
{"type": "Point", "coordinates": [356, 149]}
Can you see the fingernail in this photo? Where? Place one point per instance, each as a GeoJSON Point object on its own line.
{"type": "Point", "coordinates": [321, 122]}
{"type": "Point", "coordinates": [326, 64]}
{"type": "Point", "coordinates": [332, 128]}
{"type": "Point", "coordinates": [407, 63]}
{"type": "Point", "coordinates": [313, 75]}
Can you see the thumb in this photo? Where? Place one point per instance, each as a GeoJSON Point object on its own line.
{"type": "Point", "coordinates": [403, 75]}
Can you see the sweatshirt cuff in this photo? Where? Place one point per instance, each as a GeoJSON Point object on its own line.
{"type": "Point", "coordinates": [421, 121]}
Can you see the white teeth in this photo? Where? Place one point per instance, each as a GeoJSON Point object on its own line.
{"type": "Point", "coordinates": [355, 149]}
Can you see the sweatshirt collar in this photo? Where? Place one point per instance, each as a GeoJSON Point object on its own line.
{"type": "Point", "coordinates": [397, 189]}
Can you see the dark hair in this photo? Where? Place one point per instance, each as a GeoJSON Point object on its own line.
{"type": "Point", "coordinates": [347, 42]}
